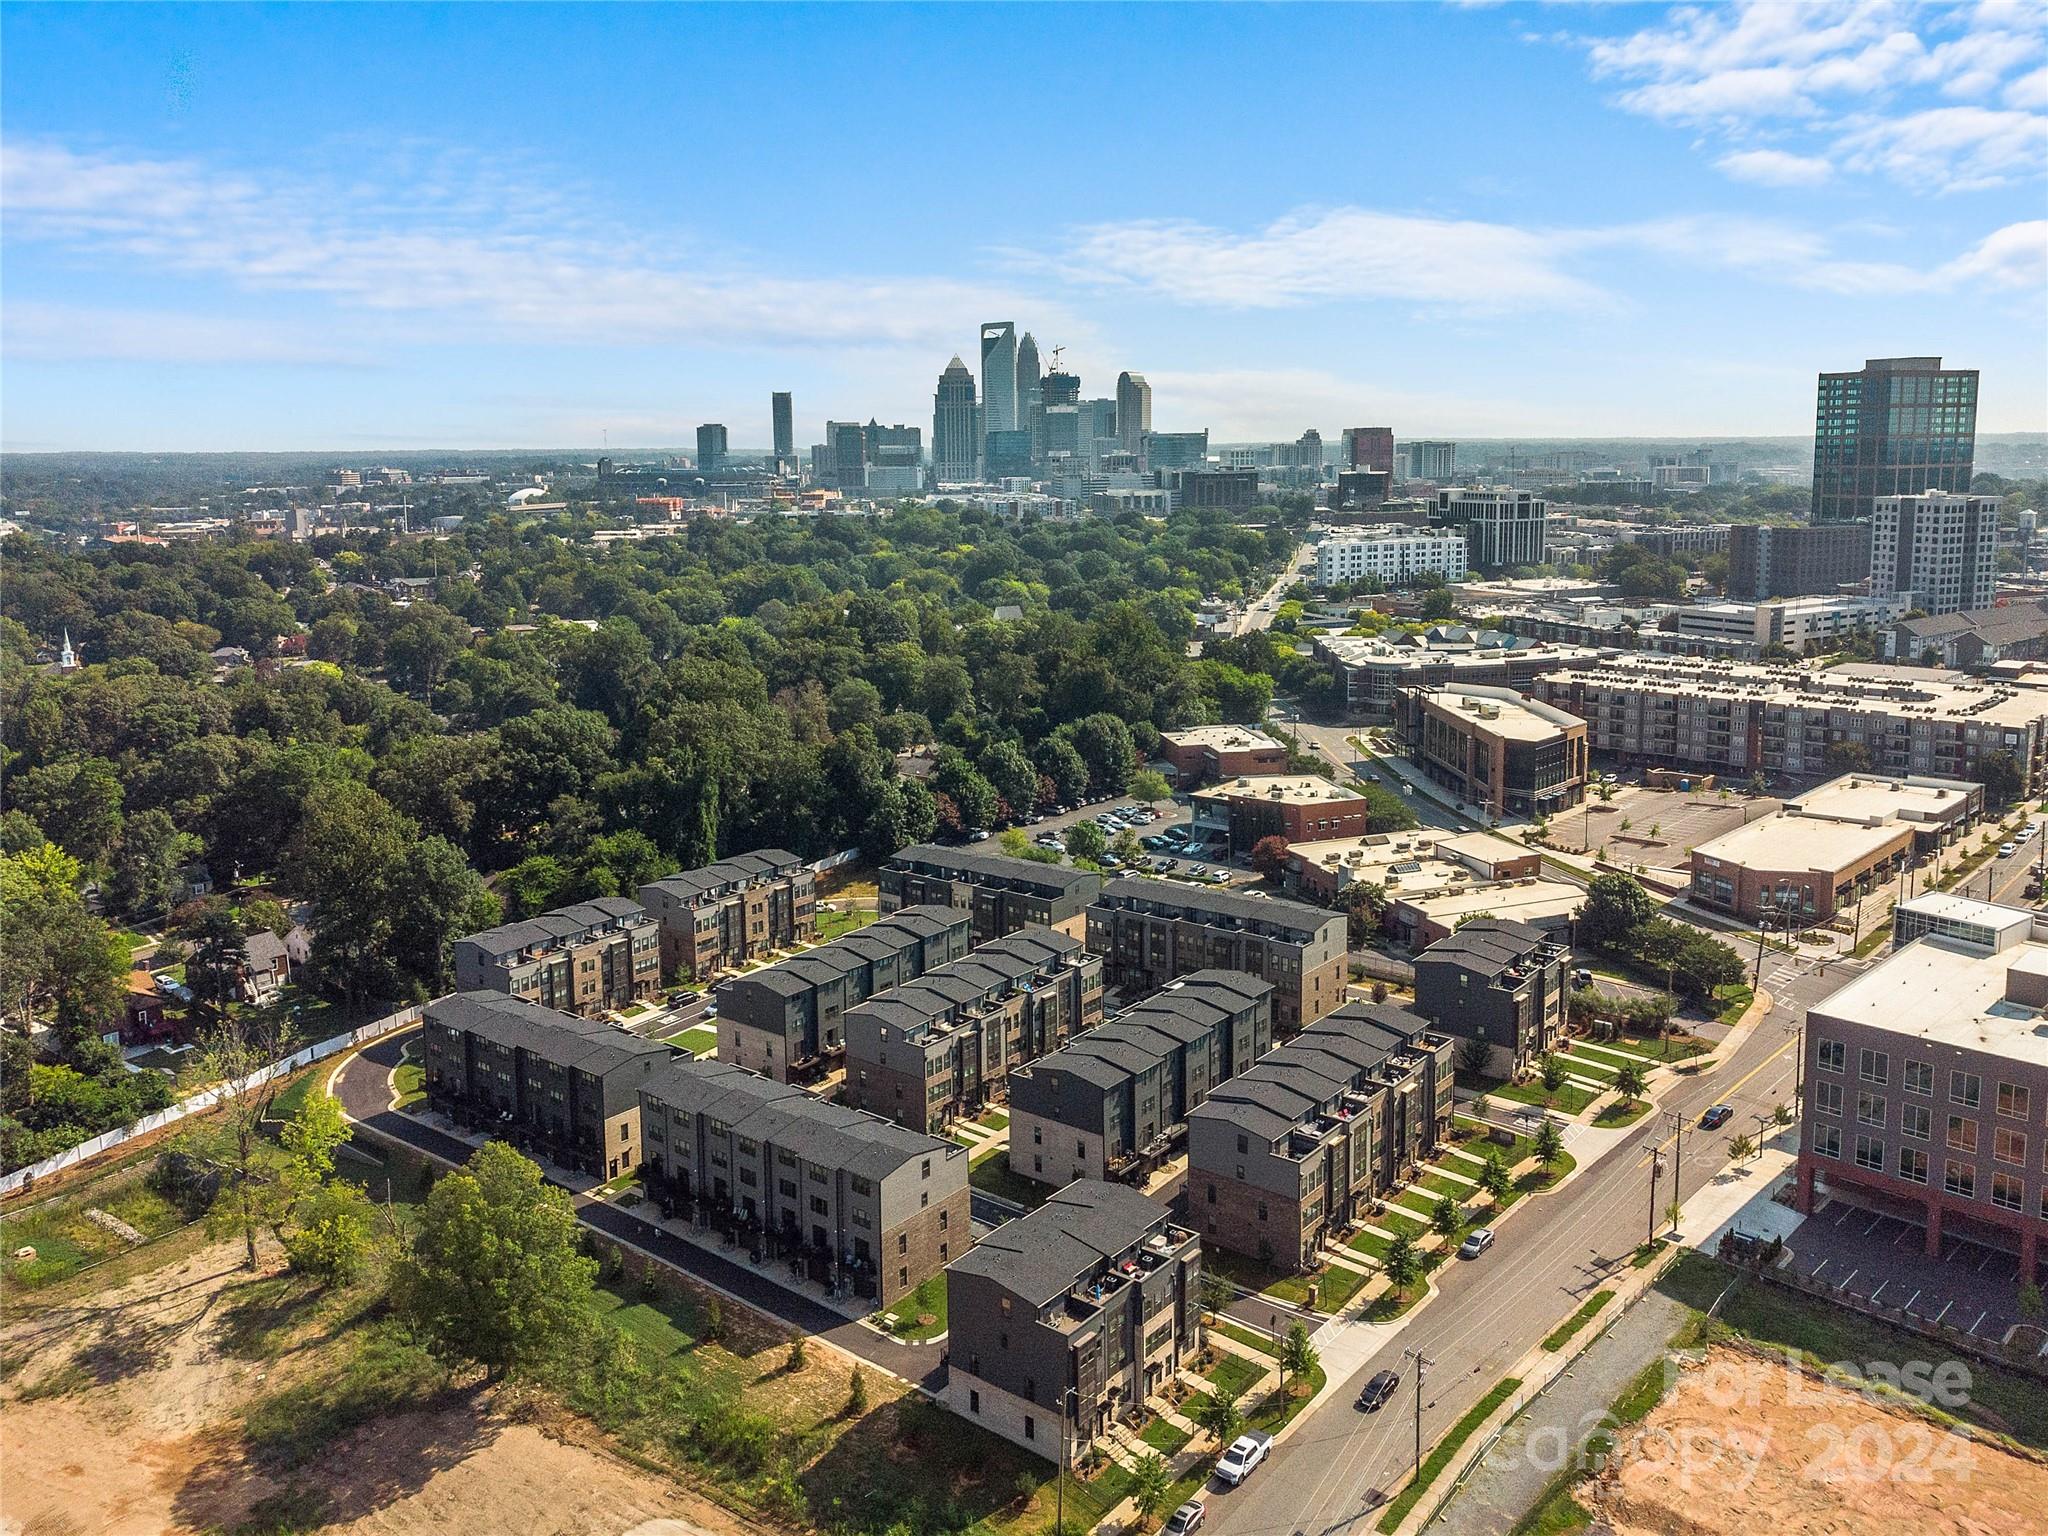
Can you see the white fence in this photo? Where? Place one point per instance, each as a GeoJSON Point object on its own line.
{"type": "Point", "coordinates": [834, 860]}
{"type": "Point", "coordinates": [206, 1099]}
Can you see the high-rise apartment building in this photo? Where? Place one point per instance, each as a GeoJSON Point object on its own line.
{"type": "Point", "coordinates": [1896, 427]}
{"type": "Point", "coordinates": [782, 411]}
{"type": "Point", "coordinates": [1369, 448]}
{"type": "Point", "coordinates": [1766, 562]}
{"type": "Point", "coordinates": [1503, 527]}
{"type": "Point", "coordinates": [1133, 411]}
{"type": "Point", "coordinates": [1029, 371]}
{"type": "Point", "coordinates": [999, 376]}
{"type": "Point", "coordinates": [1432, 461]}
{"type": "Point", "coordinates": [1176, 450]}
{"type": "Point", "coordinates": [956, 427]}
{"type": "Point", "coordinates": [710, 447]}
{"type": "Point", "coordinates": [1935, 549]}
{"type": "Point", "coordinates": [846, 455]}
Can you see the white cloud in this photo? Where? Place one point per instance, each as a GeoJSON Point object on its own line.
{"type": "Point", "coordinates": [1776, 167]}
{"type": "Point", "coordinates": [1850, 79]}
{"type": "Point", "coordinates": [73, 333]}
{"type": "Point", "coordinates": [430, 254]}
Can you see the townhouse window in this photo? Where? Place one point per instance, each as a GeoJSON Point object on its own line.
{"type": "Point", "coordinates": [902, 1277]}
{"type": "Point", "coordinates": [927, 1169]}
{"type": "Point", "coordinates": [787, 1188]}
{"type": "Point", "coordinates": [1965, 1088]}
{"type": "Point", "coordinates": [1828, 1055]}
{"type": "Point", "coordinates": [1873, 1066]}
{"type": "Point", "coordinates": [1959, 1179]}
{"type": "Point", "coordinates": [2009, 1146]}
{"type": "Point", "coordinates": [2013, 1101]}
{"type": "Point", "coordinates": [1916, 1121]}
{"type": "Point", "coordinates": [747, 1177]}
{"type": "Point", "coordinates": [1870, 1109]}
{"type": "Point", "coordinates": [1244, 1143]}
{"type": "Point", "coordinates": [1962, 1134]}
{"type": "Point", "coordinates": [1913, 1165]}
{"type": "Point", "coordinates": [902, 1242]}
{"type": "Point", "coordinates": [1827, 1141]}
{"type": "Point", "coordinates": [1919, 1077]}
{"type": "Point", "coordinates": [1212, 1194]}
{"type": "Point", "coordinates": [1262, 1210]}
{"type": "Point", "coordinates": [973, 1401]}
{"type": "Point", "coordinates": [818, 1206]}
{"type": "Point", "coordinates": [945, 1220]}
{"type": "Point", "coordinates": [1870, 1153]}
{"type": "Point", "coordinates": [1037, 1136]}
{"type": "Point", "coordinates": [2005, 1191]}
{"type": "Point", "coordinates": [1030, 1427]}
{"type": "Point", "coordinates": [1827, 1098]}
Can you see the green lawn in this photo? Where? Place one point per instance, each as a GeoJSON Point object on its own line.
{"type": "Point", "coordinates": [1164, 1436]}
{"type": "Point", "coordinates": [993, 1119]}
{"type": "Point", "coordinates": [1536, 1180]}
{"type": "Point", "coordinates": [1562, 1335]}
{"type": "Point", "coordinates": [1336, 1285]}
{"type": "Point", "coordinates": [1246, 1336]}
{"type": "Point", "coordinates": [927, 1301]}
{"type": "Point", "coordinates": [1232, 1375]}
{"type": "Point", "coordinates": [991, 1174]}
{"type": "Point", "coordinates": [1608, 1056]}
{"type": "Point", "coordinates": [697, 1039]}
{"type": "Point", "coordinates": [1569, 1099]}
{"type": "Point", "coordinates": [65, 1242]}
{"type": "Point", "coordinates": [1584, 1064]}
{"type": "Point", "coordinates": [1398, 1221]}
{"type": "Point", "coordinates": [409, 1082]}
{"type": "Point", "coordinates": [1733, 1001]}
{"type": "Point", "coordinates": [1283, 1403]}
{"type": "Point", "coordinates": [841, 921]}
{"type": "Point", "coordinates": [1619, 1113]}
{"type": "Point", "coordinates": [1440, 1456]}
{"type": "Point", "coordinates": [1371, 1244]}
{"type": "Point", "coordinates": [1437, 1184]}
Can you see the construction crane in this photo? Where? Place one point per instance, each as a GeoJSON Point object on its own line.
{"type": "Point", "coordinates": [1054, 354]}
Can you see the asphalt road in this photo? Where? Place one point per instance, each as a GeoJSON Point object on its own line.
{"type": "Point", "coordinates": [1330, 1475]}
{"type": "Point", "coordinates": [364, 1088]}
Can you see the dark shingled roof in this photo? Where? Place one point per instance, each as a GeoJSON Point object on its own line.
{"type": "Point", "coordinates": [1329, 1056]}
{"type": "Point", "coordinates": [561, 1038]}
{"type": "Point", "coordinates": [740, 870]}
{"type": "Point", "coordinates": [982, 868]}
{"type": "Point", "coordinates": [994, 970]}
{"type": "Point", "coordinates": [1199, 904]}
{"type": "Point", "coordinates": [1488, 945]}
{"type": "Point", "coordinates": [561, 923]}
{"type": "Point", "coordinates": [1040, 1257]}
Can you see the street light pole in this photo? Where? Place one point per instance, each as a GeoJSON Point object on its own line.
{"type": "Point", "coordinates": [1422, 1365]}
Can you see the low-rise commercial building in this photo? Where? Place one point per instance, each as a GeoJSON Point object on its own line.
{"type": "Point", "coordinates": [1301, 808]}
{"type": "Point", "coordinates": [1733, 718]}
{"type": "Point", "coordinates": [788, 1021]}
{"type": "Point", "coordinates": [1003, 894]}
{"type": "Point", "coordinates": [865, 1207]}
{"type": "Point", "coordinates": [1511, 755]}
{"type": "Point", "coordinates": [1833, 845]}
{"type": "Point", "coordinates": [1418, 862]}
{"type": "Point", "coordinates": [1418, 919]}
{"type": "Point", "coordinates": [933, 1050]}
{"type": "Point", "coordinates": [1498, 988]}
{"type": "Point", "coordinates": [549, 1082]}
{"type": "Point", "coordinates": [1298, 1148]}
{"type": "Point", "coordinates": [1926, 1081]}
{"type": "Point", "coordinates": [1080, 1311]}
{"type": "Point", "coordinates": [1796, 623]}
{"type": "Point", "coordinates": [1147, 932]}
{"type": "Point", "coordinates": [1113, 1103]}
{"type": "Point", "coordinates": [717, 918]}
{"type": "Point", "coordinates": [1202, 754]}
{"type": "Point", "coordinates": [584, 959]}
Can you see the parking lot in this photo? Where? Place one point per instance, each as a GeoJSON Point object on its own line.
{"type": "Point", "coordinates": [1662, 828]}
{"type": "Point", "coordinates": [1171, 815]}
{"type": "Point", "coordinates": [1882, 1257]}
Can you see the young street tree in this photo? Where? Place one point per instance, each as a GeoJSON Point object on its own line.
{"type": "Point", "coordinates": [1298, 1357]}
{"type": "Point", "coordinates": [1630, 1081]}
{"type": "Point", "coordinates": [1402, 1264]}
{"type": "Point", "coordinates": [496, 1276]}
{"type": "Point", "coordinates": [1494, 1177]}
{"type": "Point", "coordinates": [1444, 1217]}
{"type": "Point", "coordinates": [1150, 1479]}
{"type": "Point", "coordinates": [1549, 1144]}
{"type": "Point", "coordinates": [1218, 1414]}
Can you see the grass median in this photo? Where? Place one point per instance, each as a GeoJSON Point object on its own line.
{"type": "Point", "coordinates": [1441, 1453]}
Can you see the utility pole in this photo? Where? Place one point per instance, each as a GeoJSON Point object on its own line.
{"type": "Point", "coordinates": [1677, 1164]}
{"type": "Point", "coordinates": [1422, 1365]}
{"type": "Point", "coordinates": [1656, 1167]}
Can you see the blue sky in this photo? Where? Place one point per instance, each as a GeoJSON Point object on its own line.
{"type": "Point", "coordinates": [353, 226]}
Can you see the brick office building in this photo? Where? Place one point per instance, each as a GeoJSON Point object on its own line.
{"type": "Point", "coordinates": [1299, 807]}
{"type": "Point", "coordinates": [1202, 754]}
{"type": "Point", "coordinates": [1508, 754]}
{"type": "Point", "coordinates": [866, 1207]}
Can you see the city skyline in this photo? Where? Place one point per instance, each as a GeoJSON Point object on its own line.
{"type": "Point", "coordinates": [1716, 207]}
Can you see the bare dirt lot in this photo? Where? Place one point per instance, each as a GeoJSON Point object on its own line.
{"type": "Point", "coordinates": [119, 1416]}
{"type": "Point", "coordinates": [1744, 1443]}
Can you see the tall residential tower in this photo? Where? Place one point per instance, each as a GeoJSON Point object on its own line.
{"type": "Point", "coordinates": [784, 418]}
{"type": "Point", "coordinates": [1133, 411]}
{"type": "Point", "coordinates": [1896, 427]}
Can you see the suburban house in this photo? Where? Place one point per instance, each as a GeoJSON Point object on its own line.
{"type": "Point", "coordinates": [788, 1021]}
{"type": "Point", "coordinates": [563, 1087]}
{"type": "Point", "coordinates": [717, 918]}
{"type": "Point", "coordinates": [1080, 1311]}
{"type": "Point", "coordinates": [932, 1050]}
{"type": "Point", "coordinates": [585, 959]}
{"type": "Point", "coordinates": [1004, 894]}
{"type": "Point", "coordinates": [1113, 1103]}
{"type": "Point", "coordinates": [1498, 988]}
{"type": "Point", "coordinates": [865, 1207]}
{"type": "Point", "coordinates": [1150, 931]}
{"type": "Point", "coordinates": [1296, 1149]}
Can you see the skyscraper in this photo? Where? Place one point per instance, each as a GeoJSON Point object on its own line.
{"type": "Point", "coordinates": [1133, 410]}
{"type": "Point", "coordinates": [1432, 460]}
{"type": "Point", "coordinates": [999, 376]}
{"type": "Point", "coordinates": [1899, 426]}
{"type": "Point", "coordinates": [1369, 448]}
{"type": "Point", "coordinates": [956, 427]}
{"type": "Point", "coordinates": [782, 411]}
{"type": "Point", "coordinates": [710, 448]}
{"type": "Point", "coordinates": [846, 446]}
{"type": "Point", "coordinates": [1028, 396]}
{"type": "Point", "coordinates": [1936, 549]}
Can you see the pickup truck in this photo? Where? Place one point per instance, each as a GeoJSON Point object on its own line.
{"type": "Point", "coordinates": [1245, 1453]}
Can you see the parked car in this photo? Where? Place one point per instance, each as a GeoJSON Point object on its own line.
{"type": "Point", "coordinates": [170, 986]}
{"type": "Point", "coordinates": [1582, 977]}
{"type": "Point", "coordinates": [1245, 1453]}
{"type": "Point", "coordinates": [2007, 850]}
{"type": "Point", "coordinates": [1048, 840]}
{"type": "Point", "coordinates": [1476, 1244]}
{"type": "Point", "coordinates": [977, 835]}
{"type": "Point", "coordinates": [1219, 877]}
{"type": "Point", "coordinates": [1186, 1520]}
{"type": "Point", "coordinates": [1716, 1117]}
{"type": "Point", "coordinates": [1110, 861]}
{"type": "Point", "coordinates": [1372, 1397]}
{"type": "Point", "coordinates": [1153, 841]}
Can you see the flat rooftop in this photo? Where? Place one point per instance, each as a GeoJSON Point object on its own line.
{"type": "Point", "coordinates": [1533, 902]}
{"type": "Point", "coordinates": [1502, 712]}
{"type": "Point", "coordinates": [1946, 993]}
{"type": "Point", "coordinates": [1222, 738]}
{"type": "Point", "coordinates": [1280, 788]}
{"type": "Point", "coordinates": [1801, 842]}
{"type": "Point", "coordinates": [1874, 797]}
